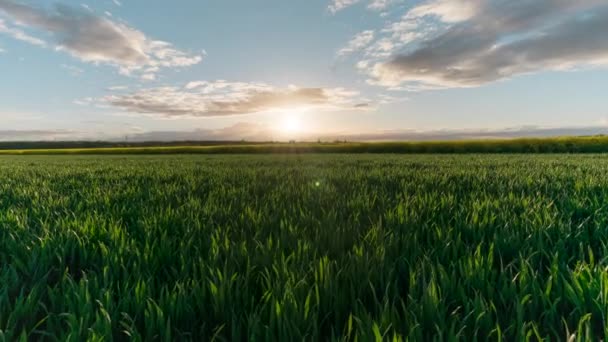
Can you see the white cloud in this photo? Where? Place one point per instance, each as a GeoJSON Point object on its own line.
{"type": "Point", "coordinates": [379, 5]}
{"type": "Point", "coordinates": [338, 5]}
{"type": "Point", "coordinates": [18, 34]}
{"type": "Point", "coordinates": [117, 3]}
{"type": "Point", "coordinates": [388, 99]}
{"type": "Point", "coordinates": [467, 43]}
{"type": "Point", "coordinates": [383, 47]}
{"type": "Point", "coordinates": [41, 134]}
{"type": "Point", "coordinates": [94, 39]}
{"type": "Point", "coordinates": [222, 98]}
{"type": "Point", "coordinates": [360, 41]}
{"type": "Point", "coordinates": [117, 88]}
{"type": "Point", "coordinates": [375, 5]}
{"type": "Point", "coordinates": [449, 11]}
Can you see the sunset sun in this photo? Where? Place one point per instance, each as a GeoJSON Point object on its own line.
{"type": "Point", "coordinates": [290, 124]}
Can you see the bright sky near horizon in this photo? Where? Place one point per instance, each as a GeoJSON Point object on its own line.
{"type": "Point", "coordinates": [285, 69]}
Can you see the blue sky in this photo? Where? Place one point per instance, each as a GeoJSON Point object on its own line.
{"type": "Point", "coordinates": [276, 69]}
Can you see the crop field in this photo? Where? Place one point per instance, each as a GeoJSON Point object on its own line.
{"type": "Point", "coordinates": [304, 247]}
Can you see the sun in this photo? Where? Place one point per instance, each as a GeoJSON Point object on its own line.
{"type": "Point", "coordinates": [291, 124]}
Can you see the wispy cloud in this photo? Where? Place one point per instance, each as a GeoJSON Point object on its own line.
{"type": "Point", "coordinates": [468, 134]}
{"type": "Point", "coordinates": [13, 135]}
{"type": "Point", "coordinates": [240, 131]}
{"type": "Point", "coordinates": [92, 38]}
{"type": "Point", "coordinates": [467, 43]}
{"type": "Point", "coordinates": [117, 88]}
{"type": "Point", "coordinates": [18, 34]}
{"type": "Point", "coordinates": [338, 5]}
{"type": "Point", "coordinates": [249, 131]}
{"type": "Point", "coordinates": [380, 5]}
{"type": "Point", "coordinates": [72, 70]}
{"type": "Point", "coordinates": [358, 42]}
{"type": "Point", "coordinates": [222, 98]}
{"type": "Point", "coordinates": [260, 132]}
{"type": "Point", "coordinates": [375, 5]}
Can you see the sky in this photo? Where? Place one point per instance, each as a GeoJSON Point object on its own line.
{"type": "Point", "coordinates": [302, 69]}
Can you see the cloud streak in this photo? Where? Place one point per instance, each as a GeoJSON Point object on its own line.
{"type": "Point", "coordinates": [18, 34]}
{"type": "Point", "coordinates": [468, 134]}
{"type": "Point", "coordinates": [375, 5]}
{"type": "Point", "coordinates": [239, 131]}
{"type": "Point", "coordinates": [358, 42]}
{"type": "Point", "coordinates": [468, 43]}
{"type": "Point", "coordinates": [338, 5]}
{"type": "Point", "coordinates": [259, 132]}
{"type": "Point", "coordinates": [223, 98]}
{"type": "Point", "coordinates": [14, 135]}
{"type": "Point", "coordinates": [92, 38]}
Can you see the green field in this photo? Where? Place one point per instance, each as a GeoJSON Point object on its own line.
{"type": "Point", "coordinates": [304, 247]}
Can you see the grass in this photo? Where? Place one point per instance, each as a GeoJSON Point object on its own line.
{"type": "Point", "coordinates": [590, 144]}
{"type": "Point", "coordinates": [304, 247]}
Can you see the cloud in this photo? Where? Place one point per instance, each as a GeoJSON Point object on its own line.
{"type": "Point", "coordinates": [92, 38]}
{"type": "Point", "coordinates": [338, 5]}
{"type": "Point", "coordinates": [23, 135]}
{"type": "Point", "coordinates": [261, 132]}
{"type": "Point", "coordinates": [239, 131]}
{"type": "Point", "coordinates": [360, 41]}
{"type": "Point", "coordinates": [448, 11]}
{"type": "Point", "coordinates": [117, 88]}
{"type": "Point", "coordinates": [117, 3]}
{"type": "Point", "coordinates": [222, 98]}
{"type": "Point", "coordinates": [115, 131]}
{"type": "Point", "coordinates": [72, 70]}
{"type": "Point", "coordinates": [18, 34]}
{"type": "Point", "coordinates": [148, 77]}
{"type": "Point", "coordinates": [375, 5]}
{"type": "Point", "coordinates": [468, 134]}
{"type": "Point", "coordinates": [379, 5]}
{"type": "Point", "coordinates": [388, 99]}
{"type": "Point", "coordinates": [468, 43]}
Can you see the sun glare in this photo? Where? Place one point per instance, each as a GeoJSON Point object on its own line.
{"type": "Point", "coordinates": [291, 124]}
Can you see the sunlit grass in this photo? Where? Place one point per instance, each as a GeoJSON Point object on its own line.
{"type": "Point", "coordinates": [303, 247]}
